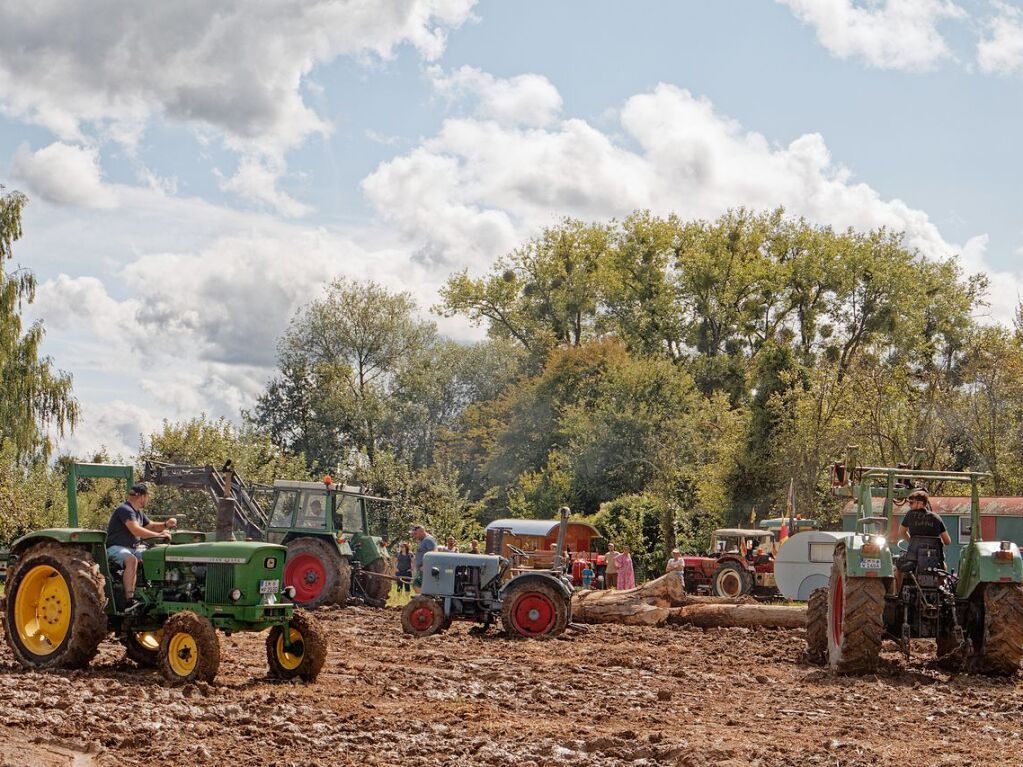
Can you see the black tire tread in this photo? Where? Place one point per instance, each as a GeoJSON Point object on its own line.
{"type": "Point", "coordinates": [88, 594]}
{"type": "Point", "coordinates": [562, 606]}
{"type": "Point", "coordinates": [863, 622]}
{"type": "Point", "coordinates": [744, 578]}
{"type": "Point", "coordinates": [1002, 650]}
{"type": "Point", "coordinates": [379, 588]}
{"type": "Point", "coordinates": [339, 571]}
{"type": "Point", "coordinates": [439, 624]}
{"type": "Point", "coordinates": [817, 626]}
{"type": "Point", "coordinates": [207, 645]}
{"type": "Point", "coordinates": [314, 653]}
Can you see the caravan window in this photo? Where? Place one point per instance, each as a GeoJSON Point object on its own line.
{"type": "Point", "coordinates": [822, 552]}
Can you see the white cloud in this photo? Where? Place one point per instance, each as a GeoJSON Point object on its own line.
{"type": "Point", "coordinates": [111, 67]}
{"type": "Point", "coordinates": [478, 188]}
{"type": "Point", "coordinates": [115, 426]}
{"type": "Point", "coordinates": [893, 34]}
{"type": "Point", "coordinates": [1000, 51]}
{"type": "Point", "coordinates": [528, 99]}
{"type": "Point", "coordinates": [64, 174]}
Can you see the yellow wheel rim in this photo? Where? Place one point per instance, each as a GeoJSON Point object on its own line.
{"type": "Point", "coordinates": [182, 654]}
{"type": "Point", "coordinates": [42, 610]}
{"type": "Point", "coordinates": [288, 660]}
{"type": "Point", "coordinates": [148, 640]}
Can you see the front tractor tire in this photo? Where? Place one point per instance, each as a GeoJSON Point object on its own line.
{"type": "Point", "coordinates": [319, 574]}
{"type": "Point", "coordinates": [855, 620]}
{"type": "Point", "coordinates": [1001, 646]}
{"type": "Point", "coordinates": [377, 589]}
{"type": "Point", "coordinates": [423, 616]}
{"type": "Point", "coordinates": [817, 627]}
{"type": "Point", "coordinates": [732, 581]}
{"type": "Point", "coordinates": [534, 609]}
{"type": "Point", "coordinates": [189, 649]}
{"type": "Point", "coordinates": [307, 653]}
{"type": "Point", "coordinates": [55, 607]}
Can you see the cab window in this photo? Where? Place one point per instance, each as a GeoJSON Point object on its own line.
{"type": "Point", "coordinates": [348, 515]}
{"type": "Point", "coordinates": [312, 515]}
{"type": "Point", "coordinates": [284, 508]}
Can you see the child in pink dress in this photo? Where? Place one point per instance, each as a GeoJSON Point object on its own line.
{"type": "Point", "coordinates": [626, 575]}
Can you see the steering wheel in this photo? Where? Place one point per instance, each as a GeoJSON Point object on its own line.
{"type": "Point", "coordinates": [517, 551]}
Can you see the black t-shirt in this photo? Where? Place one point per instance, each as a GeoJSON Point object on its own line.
{"type": "Point", "coordinates": [923, 523]}
{"type": "Point", "coordinates": [118, 533]}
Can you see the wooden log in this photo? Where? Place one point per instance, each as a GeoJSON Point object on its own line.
{"type": "Point", "coordinates": [664, 600]}
{"type": "Point", "coordinates": [750, 616]}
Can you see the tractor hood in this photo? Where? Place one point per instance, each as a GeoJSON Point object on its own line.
{"type": "Point", "coordinates": [268, 556]}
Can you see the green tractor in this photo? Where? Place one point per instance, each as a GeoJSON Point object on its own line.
{"type": "Point", "coordinates": [332, 557]}
{"type": "Point", "coordinates": [63, 597]}
{"type": "Point", "coordinates": [975, 615]}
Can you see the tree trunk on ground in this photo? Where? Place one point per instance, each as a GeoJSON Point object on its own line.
{"type": "Point", "coordinates": [664, 600]}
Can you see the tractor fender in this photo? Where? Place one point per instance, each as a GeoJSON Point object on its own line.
{"type": "Point", "coordinates": [540, 577]}
{"type": "Point", "coordinates": [342, 548]}
{"type": "Point", "coordinates": [88, 539]}
{"type": "Point", "coordinates": [980, 565]}
{"type": "Point", "coordinates": [875, 563]}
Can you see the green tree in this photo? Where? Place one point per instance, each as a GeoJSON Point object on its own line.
{"type": "Point", "coordinates": [34, 396]}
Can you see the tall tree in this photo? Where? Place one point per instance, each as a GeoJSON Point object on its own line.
{"type": "Point", "coordinates": [34, 396]}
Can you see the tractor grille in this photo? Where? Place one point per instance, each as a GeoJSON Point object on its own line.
{"type": "Point", "coordinates": [219, 583]}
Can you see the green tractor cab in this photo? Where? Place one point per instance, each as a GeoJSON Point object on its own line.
{"type": "Point", "coordinates": [63, 597]}
{"type": "Point", "coordinates": [975, 615]}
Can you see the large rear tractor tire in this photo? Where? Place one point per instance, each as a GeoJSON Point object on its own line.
{"type": "Point", "coordinates": [319, 574]}
{"type": "Point", "coordinates": [423, 616]}
{"type": "Point", "coordinates": [855, 620]}
{"type": "Point", "coordinates": [817, 627]}
{"type": "Point", "coordinates": [143, 647]}
{"type": "Point", "coordinates": [1001, 651]}
{"type": "Point", "coordinates": [377, 589]}
{"type": "Point", "coordinates": [189, 649]}
{"type": "Point", "coordinates": [731, 581]}
{"type": "Point", "coordinates": [308, 651]}
{"type": "Point", "coordinates": [55, 607]}
{"type": "Point", "coordinates": [534, 609]}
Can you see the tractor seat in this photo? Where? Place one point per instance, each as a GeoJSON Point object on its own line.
{"type": "Point", "coordinates": [927, 553]}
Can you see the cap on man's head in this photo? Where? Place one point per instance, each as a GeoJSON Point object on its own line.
{"type": "Point", "coordinates": [139, 488]}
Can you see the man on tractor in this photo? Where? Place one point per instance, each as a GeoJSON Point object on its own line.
{"type": "Point", "coordinates": [920, 525]}
{"type": "Point", "coordinates": [127, 527]}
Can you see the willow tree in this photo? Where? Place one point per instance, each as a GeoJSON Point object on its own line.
{"type": "Point", "coordinates": [35, 398]}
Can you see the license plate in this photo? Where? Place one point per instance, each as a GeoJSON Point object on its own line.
{"type": "Point", "coordinates": [269, 587]}
{"type": "Point", "coordinates": [870, 564]}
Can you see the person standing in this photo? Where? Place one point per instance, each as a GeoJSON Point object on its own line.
{"type": "Point", "coordinates": [449, 545]}
{"type": "Point", "coordinates": [611, 569]}
{"type": "Point", "coordinates": [676, 563]}
{"type": "Point", "coordinates": [626, 573]}
{"type": "Point", "coordinates": [474, 547]}
{"type": "Point", "coordinates": [403, 568]}
{"type": "Point", "coordinates": [424, 543]}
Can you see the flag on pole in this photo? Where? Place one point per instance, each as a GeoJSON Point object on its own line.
{"type": "Point", "coordinates": [753, 516]}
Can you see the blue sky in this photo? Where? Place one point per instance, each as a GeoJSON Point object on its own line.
{"type": "Point", "coordinates": [197, 172]}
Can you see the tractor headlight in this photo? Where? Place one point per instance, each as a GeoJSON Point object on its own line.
{"type": "Point", "coordinates": [235, 595]}
{"type": "Point", "coordinates": [289, 592]}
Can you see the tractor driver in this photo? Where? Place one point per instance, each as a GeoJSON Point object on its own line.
{"type": "Point", "coordinates": [920, 522]}
{"type": "Point", "coordinates": [128, 525]}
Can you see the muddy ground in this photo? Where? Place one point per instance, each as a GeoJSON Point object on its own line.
{"type": "Point", "coordinates": [608, 695]}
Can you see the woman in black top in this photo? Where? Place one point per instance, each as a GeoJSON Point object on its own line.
{"type": "Point", "coordinates": [403, 568]}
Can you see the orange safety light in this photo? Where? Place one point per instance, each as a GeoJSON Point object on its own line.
{"type": "Point", "coordinates": [328, 480]}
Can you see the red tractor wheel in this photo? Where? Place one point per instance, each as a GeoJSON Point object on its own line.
{"type": "Point", "coordinates": [319, 574]}
{"type": "Point", "coordinates": [423, 616]}
{"type": "Point", "coordinates": [534, 610]}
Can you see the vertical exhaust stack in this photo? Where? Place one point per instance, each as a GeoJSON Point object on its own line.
{"type": "Point", "coordinates": [225, 507]}
{"type": "Point", "coordinates": [562, 532]}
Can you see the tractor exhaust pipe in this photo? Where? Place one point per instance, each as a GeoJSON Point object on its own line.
{"type": "Point", "coordinates": [562, 532]}
{"type": "Point", "coordinates": [225, 507]}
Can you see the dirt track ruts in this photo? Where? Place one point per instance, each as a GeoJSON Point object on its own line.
{"type": "Point", "coordinates": [609, 695]}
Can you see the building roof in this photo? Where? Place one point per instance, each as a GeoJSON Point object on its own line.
{"type": "Point", "coordinates": [994, 506]}
{"type": "Point", "coordinates": [539, 527]}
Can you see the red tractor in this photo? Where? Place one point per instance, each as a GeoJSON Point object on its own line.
{"type": "Point", "coordinates": [740, 562]}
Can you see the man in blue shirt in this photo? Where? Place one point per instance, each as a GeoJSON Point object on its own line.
{"type": "Point", "coordinates": [127, 527]}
